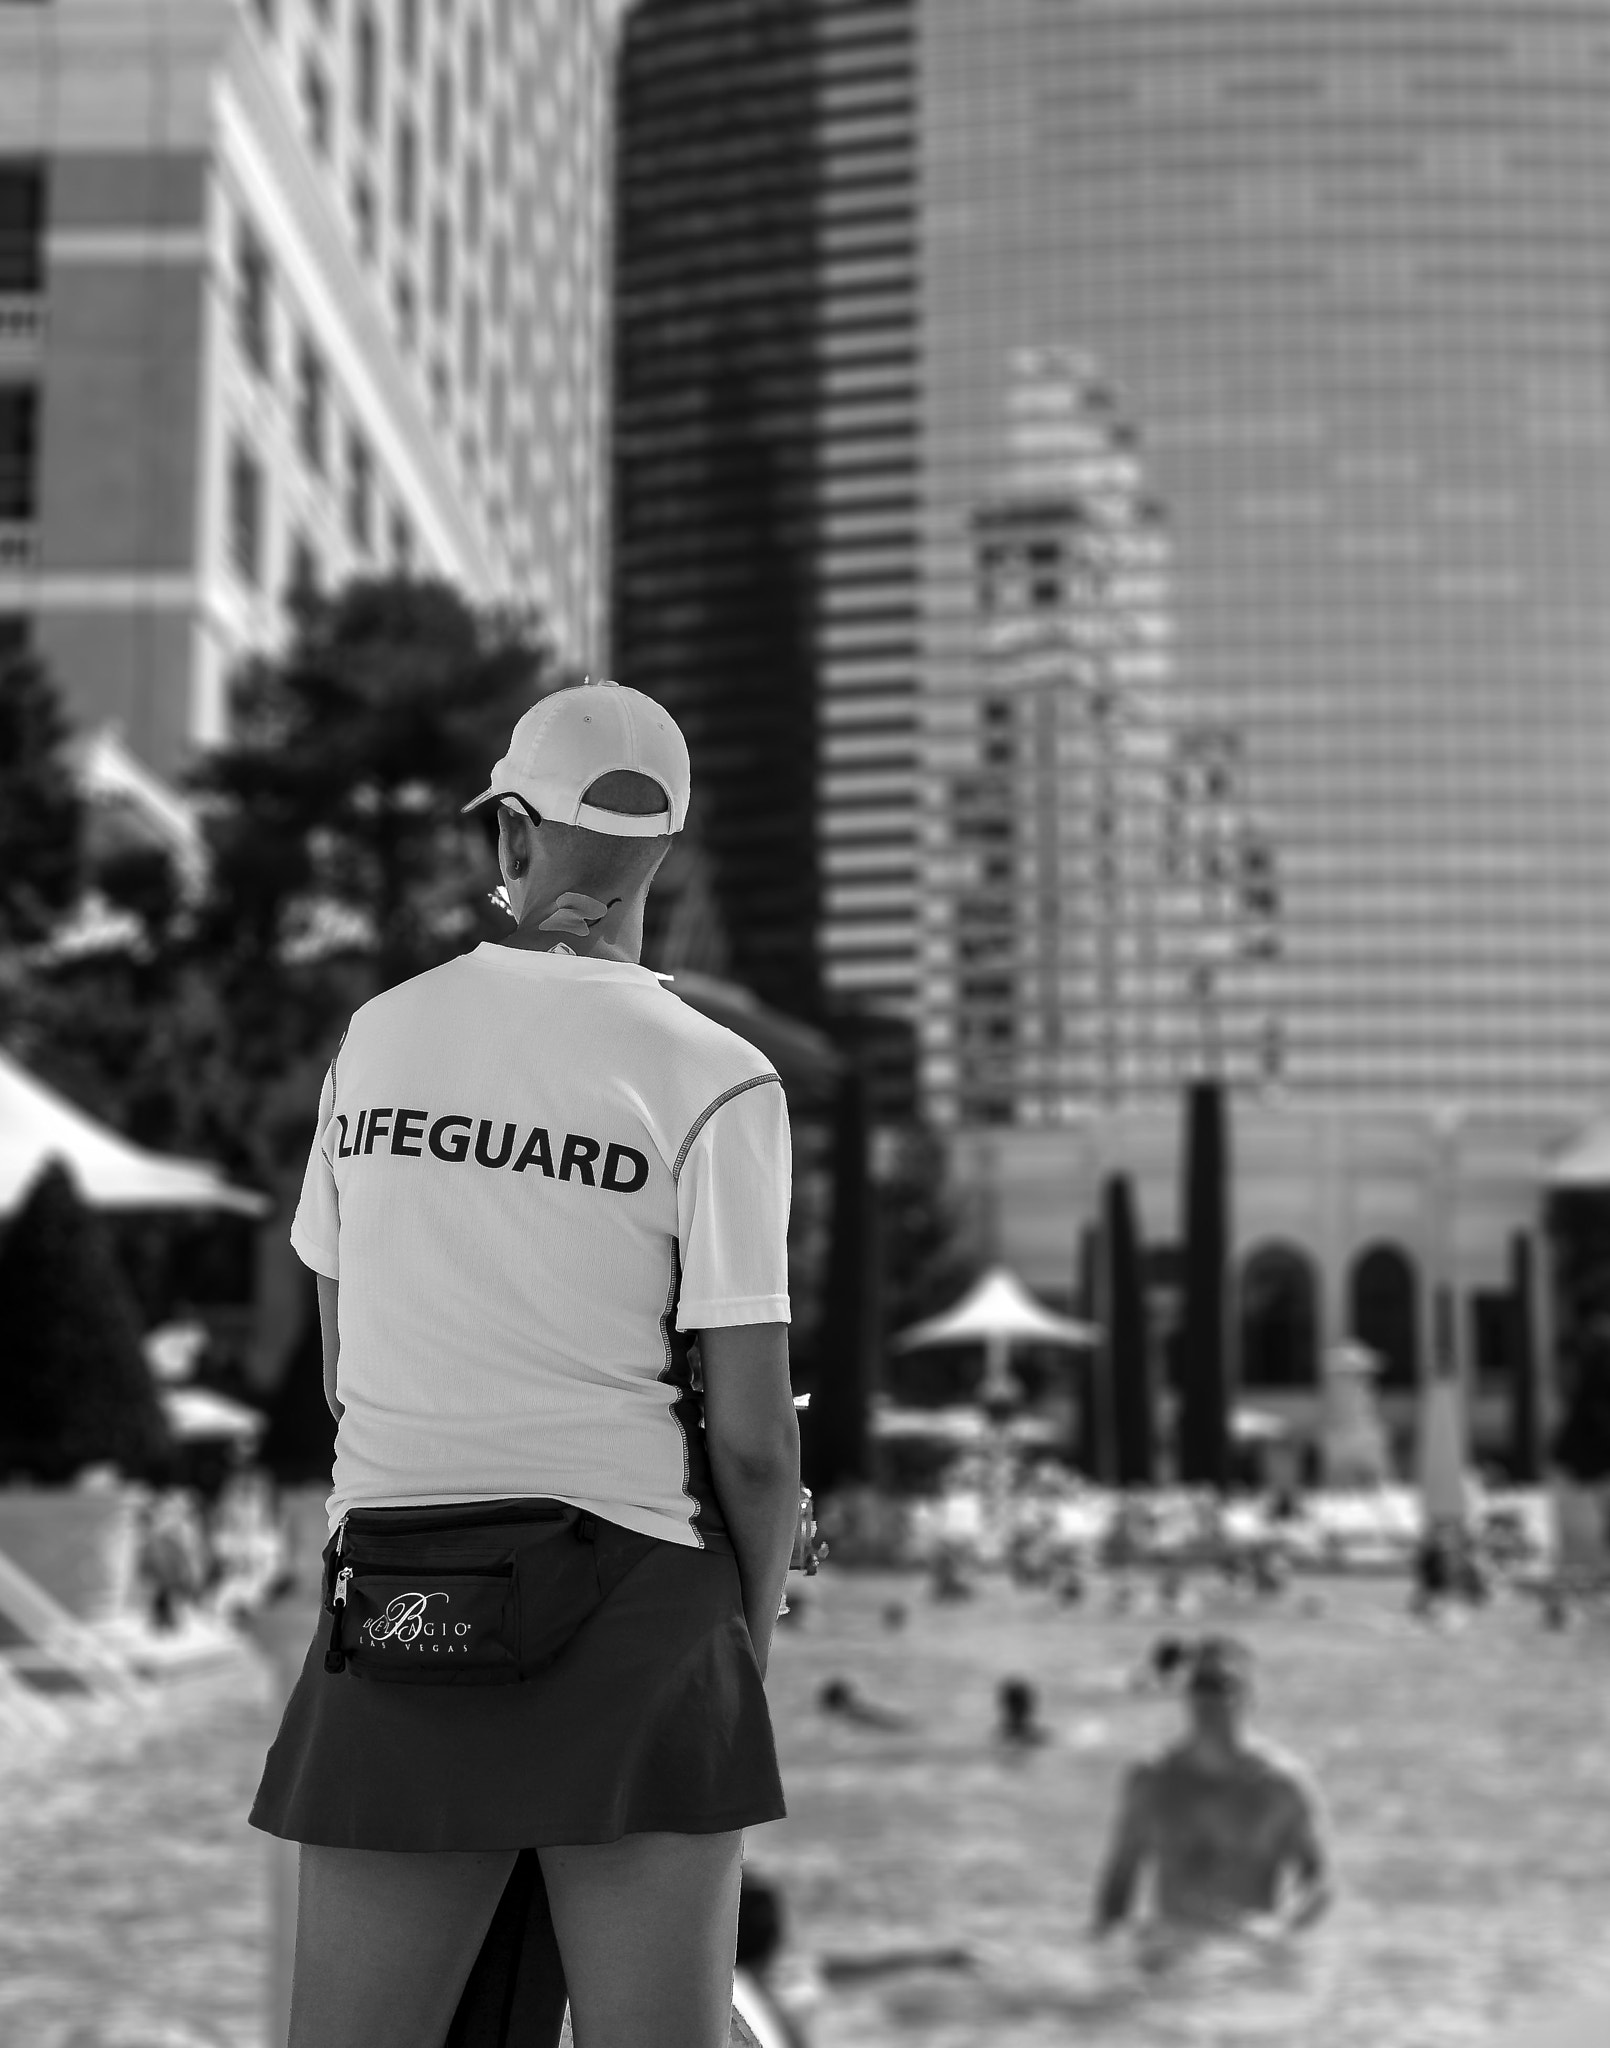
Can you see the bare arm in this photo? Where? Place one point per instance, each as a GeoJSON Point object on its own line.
{"type": "Point", "coordinates": [330, 1336]}
{"type": "Point", "coordinates": [1308, 1858]}
{"type": "Point", "coordinates": [752, 1434]}
{"type": "Point", "coordinates": [1126, 1856]}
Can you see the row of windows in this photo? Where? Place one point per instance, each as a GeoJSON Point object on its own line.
{"type": "Point", "coordinates": [247, 515]}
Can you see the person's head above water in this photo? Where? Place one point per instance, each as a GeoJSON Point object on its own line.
{"type": "Point", "coordinates": [1218, 1685]}
{"type": "Point", "coordinates": [593, 786]}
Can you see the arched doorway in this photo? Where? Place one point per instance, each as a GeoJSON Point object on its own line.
{"type": "Point", "coordinates": [1384, 1311]}
{"type": "Point", "coordinates": [1279, 1306]}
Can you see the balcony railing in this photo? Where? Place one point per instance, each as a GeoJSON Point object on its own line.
{"type": "Point", "coordinates": [19, 544]}
{"type": "Point", "coordinates": [22, 319]}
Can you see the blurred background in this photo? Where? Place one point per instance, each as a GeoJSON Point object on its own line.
{"type": "Point", "coordinates": [1117, 493]}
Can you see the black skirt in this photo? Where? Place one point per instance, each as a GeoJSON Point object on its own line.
{"type": "Point", "coordinates": [652, 1719]}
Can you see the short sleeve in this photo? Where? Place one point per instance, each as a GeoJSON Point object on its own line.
{"type": "Point", "coordinates": [316, 1227]}
{"type": "Point", "coordinates": [734, 1179]}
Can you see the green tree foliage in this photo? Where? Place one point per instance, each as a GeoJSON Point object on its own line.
{"type": "Point", "coordinates": [335, 809]}
{"type": "Point", "coordinates": [339, 866]}
{"type": "Point", "coordinates": [74, 1386]}
{"type": "Point", "coordinates": [40, 811]}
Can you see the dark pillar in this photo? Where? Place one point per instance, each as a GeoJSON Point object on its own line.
{"type": "Point", "coordinates": [1127, 1348]}
{"type": "Point", "coordinates": [1525, 1450]}
{"type": "Point", "coordinates": [1204, 1422]}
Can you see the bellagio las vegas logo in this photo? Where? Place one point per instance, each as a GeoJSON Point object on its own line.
{"type": "Point", "coordinates": [408, 1622]}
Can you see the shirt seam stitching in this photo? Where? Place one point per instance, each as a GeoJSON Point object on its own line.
{"type": "Point", "coordinates": [756, 1081]}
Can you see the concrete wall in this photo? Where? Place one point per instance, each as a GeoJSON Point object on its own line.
{"type": "Point", "coordinates": [129, 665]}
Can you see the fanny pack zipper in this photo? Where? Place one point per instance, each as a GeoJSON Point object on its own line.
{"type": "Point", "coordinates": [335, 1657]}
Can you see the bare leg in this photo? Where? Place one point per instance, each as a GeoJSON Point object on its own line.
{"type": "Point", "coordinates": [647, 1927]}
{"type": "Point", "coordinates": [384, 1942]}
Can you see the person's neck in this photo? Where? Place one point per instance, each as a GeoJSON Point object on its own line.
{"type": "Point", "coordinates": [1215, 1749]}
{"type": "Point", "coordinates": [567, 918]}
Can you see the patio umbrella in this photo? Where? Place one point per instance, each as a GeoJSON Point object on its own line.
{"type": "Point", "coordinates": [37, 1125]}
{"type": "Point", "coordinates": [997, 1311]}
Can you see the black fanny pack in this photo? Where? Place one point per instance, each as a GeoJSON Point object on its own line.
{"type": "Point", "coordinates": [485, 1593]}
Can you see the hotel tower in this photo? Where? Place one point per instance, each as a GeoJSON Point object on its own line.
{"type": "Point", "coordinates": [290, 291]}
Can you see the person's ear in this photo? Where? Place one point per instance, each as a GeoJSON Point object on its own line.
{"type": "Point", "coordinates": [514, 856]}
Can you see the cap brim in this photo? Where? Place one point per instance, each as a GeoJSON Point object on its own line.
{"type": "Point", "coordinates": [475, 802]}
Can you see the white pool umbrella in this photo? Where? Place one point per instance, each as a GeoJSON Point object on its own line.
{"type": "Point", "coordinates": [37, 1126]}
{"type": "Point", "coordinates": [997, 1311]}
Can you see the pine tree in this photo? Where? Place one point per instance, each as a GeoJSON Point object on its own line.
{"type": "Point", "coordinates": [75, 1389]}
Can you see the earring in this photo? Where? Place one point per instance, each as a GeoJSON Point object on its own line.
{"type": "Point", "coordinates": [517, 866]}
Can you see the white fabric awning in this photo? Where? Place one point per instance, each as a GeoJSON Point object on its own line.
{"type": "Point", "coordinates": [1585, 1163]}
{"type": "Point", "coordinates": [202, 1415]}
{"type": "Point", "coordinates": [997, 1309]}
{"type": "Point", "coordinates": [37, 1126]}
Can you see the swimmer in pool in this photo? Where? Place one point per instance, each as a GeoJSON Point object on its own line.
{"type": "Point", "coordinates": [1226, 1831]}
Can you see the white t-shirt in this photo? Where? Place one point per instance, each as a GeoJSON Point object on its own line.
{"type": "Point", "coordinates": [533, 1173]}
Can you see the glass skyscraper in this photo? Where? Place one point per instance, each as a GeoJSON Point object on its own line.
{"type": "Point", "coordinates": [1197, 420]}
{"type": "Point", "coordinates": [765, 557]}
{"type": "Point", "coordinates": [1346, 267]}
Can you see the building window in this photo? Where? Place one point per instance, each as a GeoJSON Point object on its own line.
{"type": "Point", "coordinates": [405, 174]}
{"type": "Point", "coordinates": [404, 309]}
{"type": "Point", "coordinates": [316, 105]}
{"type": "Point", "coordinates": [22, 228]}
{"type": "Point", "coordinates": [501, 150]}
{"type": "Point", "coordinates": [14, 636]}
{"type": "Point", "coordinates": [402, 542]}
{"type": "Point", "coordinates": [497, 407]}
{"type": "Point", "coordinates": [441, 119]}
{"type": "Point", "coordinates": [19, 453]}
{"type": "Point", "coordinates": [305, 578]}
{"type": "Point", "coordinates": [312, 405]}
{"type": "Point", "coordinates": [474, 66]}
{"type": "Point", "coordinates": [441, 266]}
{"type": "Point", "coordinates": [366, 72]}
{"type": "Point", "coordinates": [498, 287]}
{"type": "Point", "coordinates": [246, 514]}
{"type": "Point", "coordinates": [441, 391]}
{"type": "Point", "coordinates": [472, 202]}
{"type": "Point", "coordinates": [469, 342]}
{"type": "Point", "coordinates": [254, 292]}
{"type": "Point", "coordinates": [365, 217]}
{"type": "Point", "coordinates": [408, 34]}
{"type": "Point", "coordinates": [360, 491]}
{"type": "Point", "coordinates": [503, 28]}
{"type": "Point", "coordinates": [267, 13]}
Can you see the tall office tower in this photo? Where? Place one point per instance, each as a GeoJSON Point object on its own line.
{"type": "Point", "coordinates": [1099, 895]}
{"type": "Point", "coordinates": [766, 451]}
{"type": "Point", "coordinates": [291, 290]}
{"type": "Point", "coordinates": [1348, 268]}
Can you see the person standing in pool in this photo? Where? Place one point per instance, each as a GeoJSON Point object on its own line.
{"type": "Point", "coordinates": [1223, 1831]}
{"type": "Point", "coordinates": [547, 1205]}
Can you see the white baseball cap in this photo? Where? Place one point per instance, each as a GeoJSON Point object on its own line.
{"type": "Point", "coordinates": [563, 744]}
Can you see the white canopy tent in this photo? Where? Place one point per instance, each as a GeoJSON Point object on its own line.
{"type": "Point", "coordinates": [1585, 1163]}
{"type": "Point", "coordinates": [997, 1308]}
{"type": "Point", "coordinates": [37, 1126]}
{"type": "Point", "coordinates": [997, 1311]}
